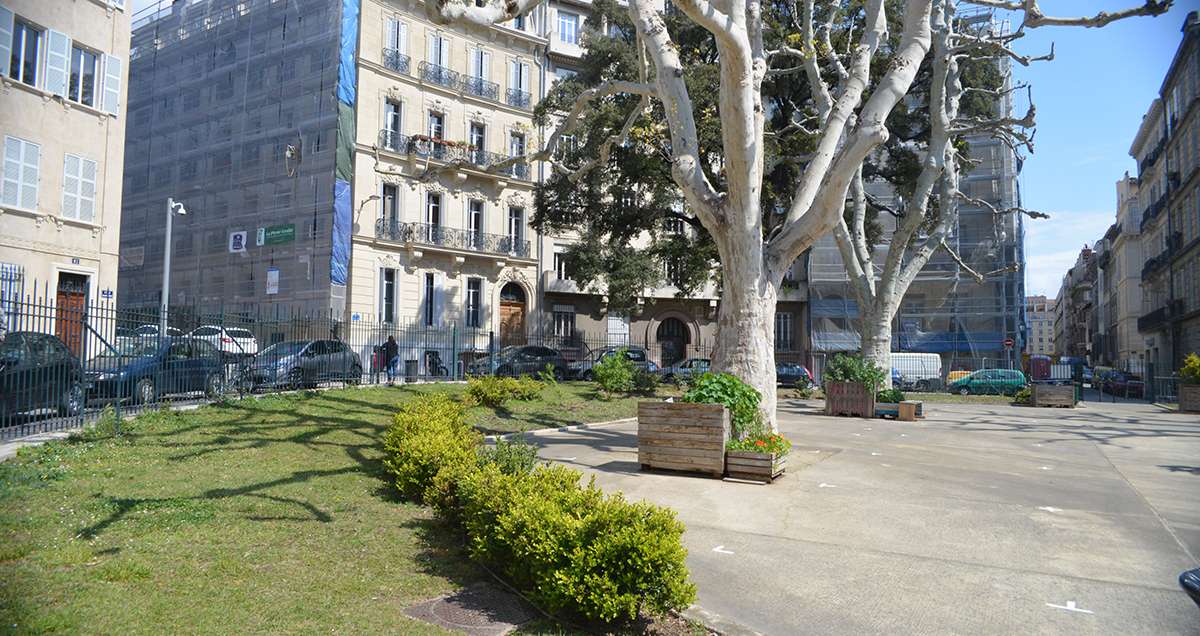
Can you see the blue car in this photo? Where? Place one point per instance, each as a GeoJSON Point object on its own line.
{"type": "Point", "coordinates": [148, 368]}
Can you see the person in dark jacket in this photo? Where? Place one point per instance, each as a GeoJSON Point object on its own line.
{"type": "Point", "coordinates": [391, 357]}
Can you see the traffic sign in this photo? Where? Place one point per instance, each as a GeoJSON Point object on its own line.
{"type": "Point", "coordinates": [1009, 342]}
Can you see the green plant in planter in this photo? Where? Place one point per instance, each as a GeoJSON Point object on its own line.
{"type": "Point", "coordinates": [740, 398]}
{"type": "Point", "coordinates": [760, 441]}
{"type": "Point", "coordinates": [1024, 396]}
{"type": "Point", "coordinates": [1189, 373]}
{"type": "Point", "coordinates": [891, 396]}
{"type": "Point", "coordinates": [847, 368]}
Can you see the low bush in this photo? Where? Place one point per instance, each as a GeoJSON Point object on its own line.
{"type": "Point", "coordinates": [848, 368]}
{"type": "Point", "coordinates": [740, 398]}
{"type": "Point", "coordinates": [573, 548]}
{"type": "Point", "coordinates": [1024, 396]}
{"type": "Point", "coordinates": [614, 373]}
{"type": "Point", "coordinates": [644, 381]}
{"type": "Point", "coordinates": [1189, 373]}
{"type": "Point", "coordinates": [892, 395]}
{"type": "Point", "coordinates": [428, 448]}
{"type": "Point", "coordinates": [512, 457]}
{"type": "Point", "coordinates": [494, 391]}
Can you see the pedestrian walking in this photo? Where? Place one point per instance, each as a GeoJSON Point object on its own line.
{"type": "Point", "coordinates": [391, 356]}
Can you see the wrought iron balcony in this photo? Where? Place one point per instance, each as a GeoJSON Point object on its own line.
{"type": "Point", "coordinates": [1161, 316]}
{"type": "Point", "coordinates": [440, 75]}
{"type": "Point", "coordinates": [480, 87]}
{"type": "Point", "coordinates": [454, 238]}
{"type": "Point", "coordinates": [518, 98]}
{"type": "Point", "coordinates": [449, 152]}
{"type": "Point", "coordinates": [397, 61]}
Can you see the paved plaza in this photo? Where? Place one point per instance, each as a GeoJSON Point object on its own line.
{"type": "Point", "coordinates": [977, 519]}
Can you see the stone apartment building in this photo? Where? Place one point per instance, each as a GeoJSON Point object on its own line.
{"type": "Point", "coordinates": [1075, 308]}
{"type": "Point", "coordinates": [1167, 149]}
{"type": "Point", "coordinates": [63, 70]}
{"type": "Point", "coordinates": [1039, 315]}
{"type": "Point", "coordinates": [1121, 271]}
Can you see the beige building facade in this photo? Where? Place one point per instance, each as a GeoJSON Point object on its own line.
{"type": "Point", "coordinates": [1039, 312]}
{"type": "Point", "coordinates": [62, 96]}
{"type": "Point", "coordinates": [1125, 271]}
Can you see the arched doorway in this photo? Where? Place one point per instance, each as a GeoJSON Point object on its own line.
{"type": "Point", "coordinates": [673, 338]}
{"type": "Point", "coordinates": [512, 314]}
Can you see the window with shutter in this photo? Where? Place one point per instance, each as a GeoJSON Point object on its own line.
{"type": "Point", "coordinates": [428, 300]}
{"type": "Point", "coordinates": [21, 159]}
{"type": "Point", "coordinates": [81, 85]}
{"type": "Point", "coordinates": [6, 40]}
{"type": "Point", "coordinates": [26, 44]}
{"type": "Point", "coordinates": [79, 188]}
{"type": "Point", "coordinates": [112, 84]}
{"type": "Point", "coordinates": [58, 54]}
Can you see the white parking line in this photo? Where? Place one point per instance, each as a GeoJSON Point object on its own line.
{"type": "Point", "coordinates": [825, 485]}
{"type": "Point", "coordinates": [1070, 607]}
{"type": "Point", "coordinates": [721, 549]}
{"type": "Point", "coordinates": [1050, 509]}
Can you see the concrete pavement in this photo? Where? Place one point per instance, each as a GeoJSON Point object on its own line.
{"type": "Point", "coordinates": [978, 519]}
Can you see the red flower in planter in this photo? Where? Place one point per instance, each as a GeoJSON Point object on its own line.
{"type": "Point", "coordinates": [760, 443]}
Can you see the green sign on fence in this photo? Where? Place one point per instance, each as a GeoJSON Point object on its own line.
{"type": "Point", "coordinates": [276, 234]}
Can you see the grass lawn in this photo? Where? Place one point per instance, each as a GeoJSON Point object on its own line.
{"type": "Point", "coordinates": [267, 515]}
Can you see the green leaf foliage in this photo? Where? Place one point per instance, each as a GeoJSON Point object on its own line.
{"type": "Point", "coordinates": [512, 457]}
{"type": "Point", "coordinates": [892, 395]}
{"type": "Point", "coordinates": [740, 398]}
{"type": "Point", "coordinates": [615, 373]}
{"type": "Point", "coordinates": [1190, 371]}
{"type": "Point", "coordinates": [848, 368]}
{"type": "Point", "coordinates": [493, 391]}
{"type": "Point", "coordinates": [428, 447]}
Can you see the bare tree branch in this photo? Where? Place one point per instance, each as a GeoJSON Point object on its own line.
{"type": "Point", "coordinates": [1034, 17]}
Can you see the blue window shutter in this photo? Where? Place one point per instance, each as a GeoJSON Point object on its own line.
{"type": "Point", "coordinates": [6, 32]}
{"type": "Point", "coordinates": [112, 84]}
{"type": "Point", "coordinates": [58, 62]}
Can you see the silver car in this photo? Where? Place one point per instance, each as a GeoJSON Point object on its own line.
{"type": "Point", "coordinates": [305, 363]}
{"type": "Point", "coordinates": [684, 369]}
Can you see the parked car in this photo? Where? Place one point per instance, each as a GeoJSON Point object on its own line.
{"type": "Point", "coordinates": [990, 381]}
{"type": "Point", "coordinates": [304, 363]}
{"type": "Point", "coordinates": [37, 371]}
{"type": "Point", "coordinates": [1190, 582]}
{"type": "Point", "coordinates": [148, 368]}
{"type": "Point", "coordinates": [234, 342]}
{"type": "Point", "coordinates": [792, 374]}
{"type": "Point", "coordinates": [152, 330]}
{"type": "Point", "coordinates": [684, 369]}
{"type": "Point", "coordinates": [518, 360]}
{"type": "Point", "coordinates": [954, 376]}
{"type": "Point", "coordinates": [1122, 384]}
{"type": "Point", "coordinates": [582, 370]}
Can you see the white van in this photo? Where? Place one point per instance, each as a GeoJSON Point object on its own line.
{"type": "Point", "coordinates": [917, 371]}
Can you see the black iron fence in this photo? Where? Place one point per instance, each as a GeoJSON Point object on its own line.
{"type": "Point", "coordinates": [64, 360]}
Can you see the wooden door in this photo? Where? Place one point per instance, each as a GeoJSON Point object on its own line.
{"type": "Point", "coordinates": [69, 310]}
{"type": "Point", "coordinates": [512, 322]}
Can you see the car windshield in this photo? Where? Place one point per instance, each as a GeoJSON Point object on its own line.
{"type": "Point", "coordinates": [282, 349]}
{"type": "Point", "coordinates": [239, 333]}
{"type": "Point", "coordinates": [131, 349]}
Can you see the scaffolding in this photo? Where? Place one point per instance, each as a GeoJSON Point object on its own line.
{"type": "Point", "coordinates": [232, 110]}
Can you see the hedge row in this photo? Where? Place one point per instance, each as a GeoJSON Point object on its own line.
{"type": "Point", "coordinates": [567, 545]}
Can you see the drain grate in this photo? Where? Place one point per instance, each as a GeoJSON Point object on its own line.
{"type": "Point", "coordinates": [478, 610]}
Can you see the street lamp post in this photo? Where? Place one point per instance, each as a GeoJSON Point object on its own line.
{"type": "Point", "coordinates": [173, 207]}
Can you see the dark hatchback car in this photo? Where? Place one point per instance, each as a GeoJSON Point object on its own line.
{"type": "Point", "coordinates": [790, 374]}
{"type": "Point", "coordinates": [305, 363]}
{"type": "Point", "coordinates": [148, 368]}
{"type": "Point", "coordinates": [37, 371]}
{"type": "Point", "coordinates": [522, 360]}
{"type": "Point", "coordinates": [1122, 384]}
{"type": "Point", "coordinates": [582, 370]}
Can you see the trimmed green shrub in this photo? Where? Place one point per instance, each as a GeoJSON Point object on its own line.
{"type": "Point", "coordinates": [573, 548]}
{"type": "Point", "coordinates": [494, 391]}
{"type": "Point", "coordinates": [428, 447]}
{"type": "Point", "coordinates": [724, 388]}
{"type": "Point", "coordinates": [1024, 396]}
{"type": "Point", "coordinates": [1189, 373]}
{"type": "Point", "coordinates": [892, 395]}
{"type": "Point", "coordinates": [644, 381]}
{"type": "Point", "coordinates": [513, 457]}
{"type": "Point", "coordinates": [847, 368]}
{"type": "Point", "coordinates": [614, 373]}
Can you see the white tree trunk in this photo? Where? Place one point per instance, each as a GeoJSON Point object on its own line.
{"type": "Point", "coordinates": [745, 324]}
{"type": "Point", "coordinates": [876, 327]}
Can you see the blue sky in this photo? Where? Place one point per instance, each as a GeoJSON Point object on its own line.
{"type": "Point", "coordinates": [1090, 101]}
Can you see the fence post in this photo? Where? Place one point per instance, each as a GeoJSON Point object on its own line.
{"type": "Point", "coordinates": [491, 350]}
{"type": "Point", "coordinates": [454, 351]}
{"type": "Point", "coordinates": [1149, 386]}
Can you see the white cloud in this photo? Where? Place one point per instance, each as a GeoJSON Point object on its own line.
{"type": "Point", "coordinates": [1051, 246]}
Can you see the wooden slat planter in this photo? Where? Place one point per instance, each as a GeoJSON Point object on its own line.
{"type": "Point", "coordinates": [1189, 398]}
{"type": "Point", "coordinates": [849, 398]}
{"type": "Point", "coordinates": [764, 467]}
{"type": "Point", "coordinates": [910, 410]}
{"type": "Point", "coordinates": [683, 436]}
{"type": "Point", "coordinates": [887, 409]}
{"type": "Point", "coordinates": [1054, 395]}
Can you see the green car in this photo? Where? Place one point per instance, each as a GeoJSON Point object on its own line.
{"type": "Point", "coordinates": [996, 381]}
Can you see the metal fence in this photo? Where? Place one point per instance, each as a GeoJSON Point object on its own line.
{"type": "Point", "coordinates": [62, 359]}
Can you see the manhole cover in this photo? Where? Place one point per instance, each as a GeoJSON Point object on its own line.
{"type": "Point", "coordinates": [480, 609]}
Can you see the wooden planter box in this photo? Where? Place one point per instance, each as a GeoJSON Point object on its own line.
{"type": "Point", "coordinates": [683, 436]}
{"type": "Point", "coordinates": [1189, 398]}
{"type": "Point", "coordinates": [751, 466]}
{"type": "Point", "coordinates": [910, 410]}
{"type": "Point", "coordinates": [849, 398]}
{"type": "Point", "coordinates": [1054, 395]}
{"type": "Point", "coordinates": [887, 409]}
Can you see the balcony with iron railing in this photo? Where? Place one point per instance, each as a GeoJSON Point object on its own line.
{"type": "Point", "coordinates": [481, 88]}
{"type": "Point", "coordinates": [396, 61]}
{"type": "Point", "coordinates": [517, 98]}
{"type": "Point", "coordinates": [452, 238]}
{"type": "Point", "coordinates": [1160, 317]}
{"type": "Point", "coordinates": [442, 150]}
{"type": "Point", "coordinates": [1153, 210]}
{"type": "Point", "coordinates": [440, 75]}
